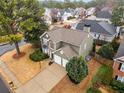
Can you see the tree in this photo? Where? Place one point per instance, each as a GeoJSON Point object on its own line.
{"type": "Point", "coordinates": [115, 45]}
{"type": "Point", "coordinates": [106, 51]}
{"type": "Point", "coordinates": [33, 35]}
{"type": "Point", "coordinates": [18, 15]}
{"type": "Point", "coordinates": [77, 69]}
{"type": "Point", "coordinates": [118, 16]}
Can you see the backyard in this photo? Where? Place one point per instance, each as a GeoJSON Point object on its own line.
{"type": "Point", "coordinates": [23, 68]}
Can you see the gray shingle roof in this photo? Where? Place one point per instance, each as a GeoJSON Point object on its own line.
{"type": "Point", "coordinates": [68, 52]}
{"type": "Point", "coordinates": [108, 27]}
{"type": "Point", "coordinates": [104, 14]}
{"type": "Point", "coordinates": [97, 27]}
{"type": "Point", "coordinates": [120, 51]}
{"type": "Point", "coordinates": [67, 35]}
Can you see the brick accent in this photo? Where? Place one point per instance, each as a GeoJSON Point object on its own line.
{"type": "Point", "coordinates": [116, 70]}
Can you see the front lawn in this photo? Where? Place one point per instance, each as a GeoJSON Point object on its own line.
{"type": "Point", "coordinates": [24, 68]}
{"type": "Point", "coordinates": [66, 86]}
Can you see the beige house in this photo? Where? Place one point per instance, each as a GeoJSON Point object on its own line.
{"type": "Point", "coordinates": [62, 44]}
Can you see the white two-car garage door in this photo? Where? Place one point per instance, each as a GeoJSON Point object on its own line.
{"type": "Point", "coordinates": [60, 61]}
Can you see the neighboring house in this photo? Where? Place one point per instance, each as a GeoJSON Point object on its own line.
{"type": "Point", "coordinates": [103, 15]}
{"type": "Point", "coordinates": [62, 44]}
{"type": "Point", "coordinates": [80, 13]}
{"type": "Point", "coordinates": [99, 30]}
{"type": "Point", "coordinates": [90, 11]}
{"type": "Point", "coordinates": [50, 15]}
{"type": "Point", "coordinates": [119, 63]}
{"type": "Point", "coordinates": [66, 13]}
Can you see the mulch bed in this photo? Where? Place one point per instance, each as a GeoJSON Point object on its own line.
{"type": "Point", "coordinates": [16, 56]}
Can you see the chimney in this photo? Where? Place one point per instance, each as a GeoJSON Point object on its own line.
{"type": "Point", "coordinates": [87, 28]}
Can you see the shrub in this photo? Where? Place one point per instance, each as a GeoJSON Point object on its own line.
{"type": "Point", "coordinates": [93, 90]}
{"type": "Point", "coordinates": [38, 56]}
{"type": "Point", "coordinates": [118, 86]}
{"type": "Point", "coordinates": [106, 51]}
{"type": "Point", "coordinates": [77, 69]}
{"type": "Point", "coordinates": [115, 45]}
{"type": "Point", "coordinates": [71, 17]}
{"type": "Point", "coordinates": [103, 76]}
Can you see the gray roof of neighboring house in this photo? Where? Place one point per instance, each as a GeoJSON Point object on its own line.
{"type": "Point", "coordinates": [62, 11]}
{"type": "Point", "coordinates": [68, 52]}
{"type": "Point", "coordinates": [120, 51]}
{"type": "Point", "coordinates": [97, 27]}
{"type": "Point", "coordinates": [104, 14]}
{"type": "Point", "coordinates": [67, 35]}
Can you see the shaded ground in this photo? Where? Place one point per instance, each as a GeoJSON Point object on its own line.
{"type": "Point", "coordinates": [66, 86]}
{"type": "Point", "coordinates": [24, 69]}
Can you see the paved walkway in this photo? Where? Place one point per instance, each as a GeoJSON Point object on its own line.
{"type": "Point", "coordinates": [11, 76]}
{"type": "Point", "coordinates": [44, 81]}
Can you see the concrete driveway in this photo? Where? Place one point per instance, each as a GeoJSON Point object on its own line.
{"type": "Point", "coordinates": [44, 81]}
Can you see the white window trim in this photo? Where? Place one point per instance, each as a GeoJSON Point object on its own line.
{"type": "Point", "coordinates": [120, 78]}
{"type": "Point", "coordinates": [122, 67]}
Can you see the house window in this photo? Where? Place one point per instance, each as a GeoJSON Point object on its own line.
{"type": "Point", "coordinates": [120, 78]}
{"type": "Point", "coordinates": [122, 67]}
{"type": "Point", "coordinates": [45, 41]}
{"type": "Point", "coordinates": [119, 66]}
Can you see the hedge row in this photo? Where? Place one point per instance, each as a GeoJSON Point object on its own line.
{"type": "Point", "coordinates": [117, 85]}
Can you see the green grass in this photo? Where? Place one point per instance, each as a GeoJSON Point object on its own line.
{"type": "Point", "coordinates": [104, 75]}
{"type": "Point", "coordinates": [93, 90]}
{"type": "Point", "coordinates": [3, 33]}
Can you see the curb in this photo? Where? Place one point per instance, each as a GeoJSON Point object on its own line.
{"type": "Point", "coordinates": [2, 44]}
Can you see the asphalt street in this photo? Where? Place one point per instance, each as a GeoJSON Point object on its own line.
{"type": "Point", "coordinates": [8, 47]}
{"type": "Point", "coordinates": [3, 87]}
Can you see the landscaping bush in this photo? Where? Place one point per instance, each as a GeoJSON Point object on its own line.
{"type": "Point", "coordinates": [71, 17]}
{"type": "Point", "coordinates": [103, 76]}
{"type": "Point", "coordinates": [77, 69]}
{"type": "Point", "coordinates": [38, 56]}
{"type": "Point", "coordinates": [115, 45]}
{"type": "Point", "coordinates": [93, 90]}
{"type": "Point", "coordinates": [106, 51]}
{"type": "Point", "coordinates": [118, 86]}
